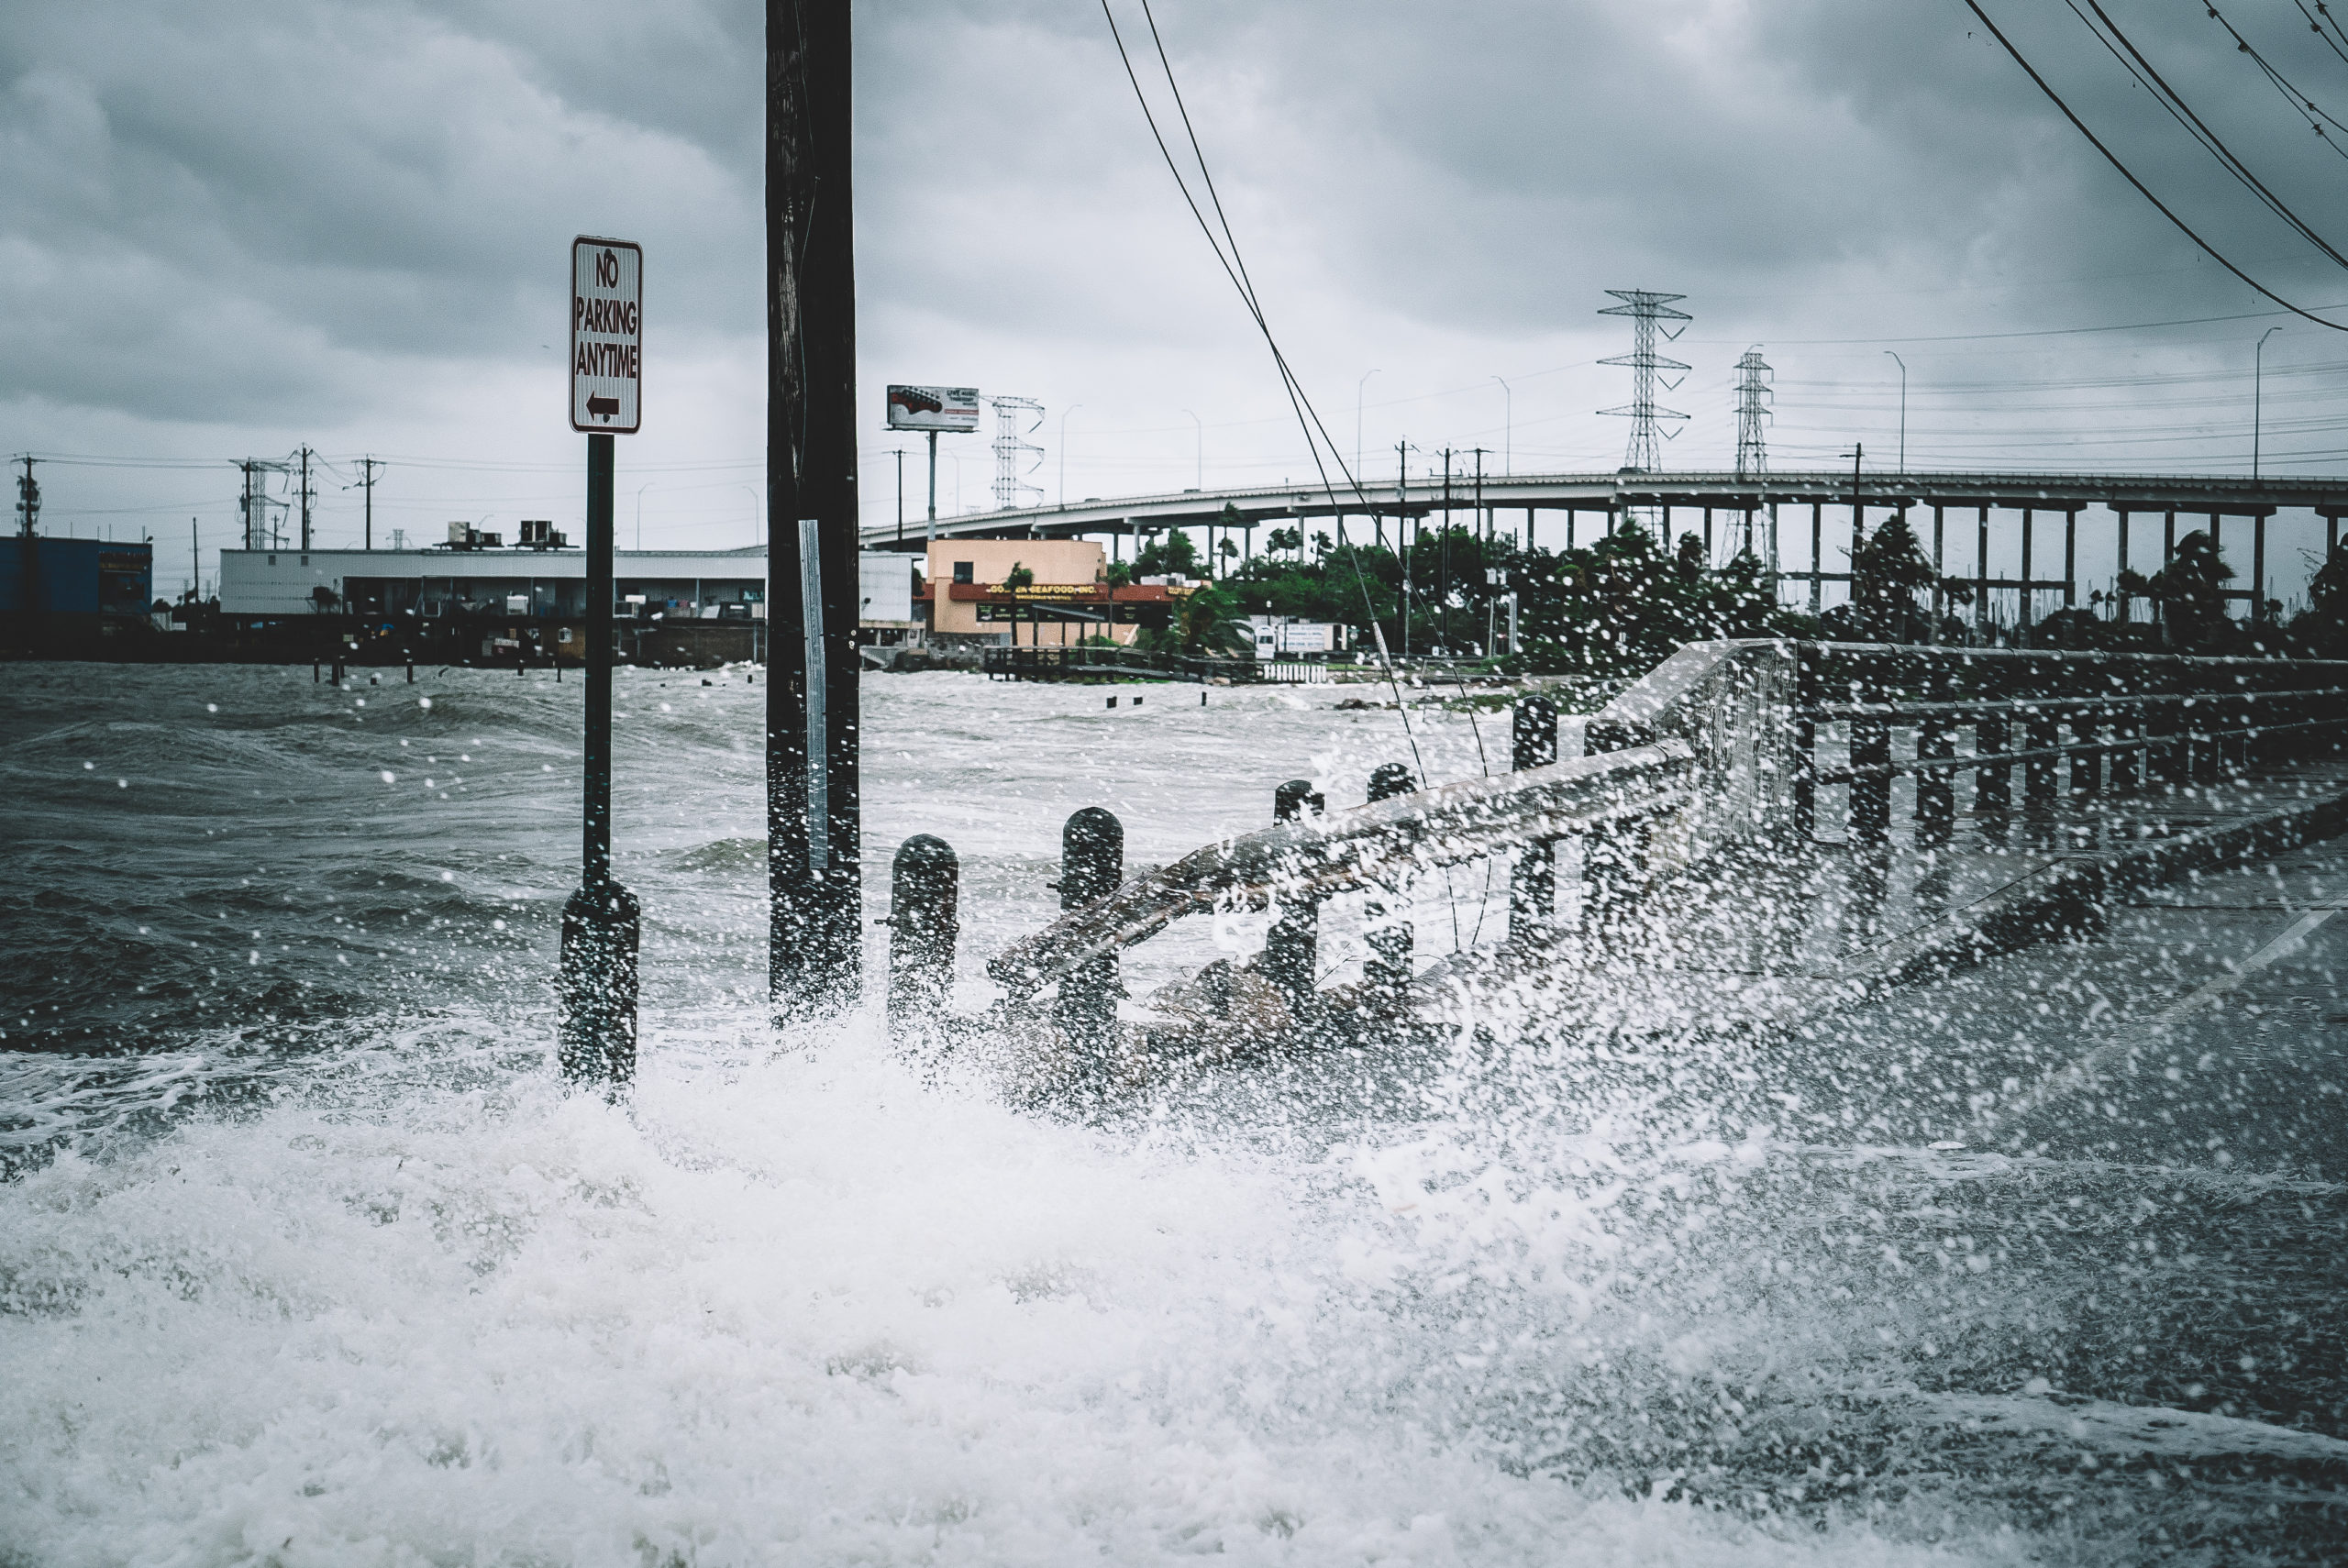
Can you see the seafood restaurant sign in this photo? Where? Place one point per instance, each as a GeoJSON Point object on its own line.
{"type": "Point", "coordinates": [606, 335]}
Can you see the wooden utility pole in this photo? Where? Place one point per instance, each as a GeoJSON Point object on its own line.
{"type": "Point", "coordinates": [813, 821]}
{"type": "Point", "coordinates": [367, 486]}
{"type": "Point", "coordinates": [305, 500]}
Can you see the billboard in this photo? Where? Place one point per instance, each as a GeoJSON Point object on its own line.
{"type": "Point", "coordinates": [934, 408]}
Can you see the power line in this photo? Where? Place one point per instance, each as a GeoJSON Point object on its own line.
{"type": "Point", "coordinates": [2179, 110]}
{"type": "Point", "coordinates": [2317, 27]}
{"type": "Point", "coordinates": [1298, 400]}
{"type": "Point", "coordinates": [2300, 103]}
{"type": "Point", "coordinates": [2141, 189]}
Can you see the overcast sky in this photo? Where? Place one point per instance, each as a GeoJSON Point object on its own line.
{"type": "Point", "coordinates": [230, 228]}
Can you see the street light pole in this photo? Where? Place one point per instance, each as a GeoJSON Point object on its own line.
{"type": "Point", "coordinates": [1357, 391]}
{"type": "Point", "coordinates": [2257, 390]}
{"type": "Point", "coordinates": [1201, 480]}
{"type": "Point", "coordinates": [639, 512]}
{"type": "Point", "coordinates": [758, 518]}
{"type": "Point", "coordinates": [1508, 428]}
{"type": "Point", "coordinates": [1903, 409]}
{"type": "Point", "coordinates": [1071, 408]}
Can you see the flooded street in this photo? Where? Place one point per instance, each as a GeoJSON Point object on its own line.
{"type": "Point", "coordinates": [305, 1256]}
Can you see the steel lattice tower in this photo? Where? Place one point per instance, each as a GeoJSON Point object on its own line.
{"type": "Point", "coordinates": [28, 498]}
{"type": "Point", "coordinates": [1009, 442]}
{"type": "Point", "coordinates": [1752, 414]}
{"type": "Point", "coordinates": [1644, 453]}
{"type": "Point", "coordinates": [254, 502]}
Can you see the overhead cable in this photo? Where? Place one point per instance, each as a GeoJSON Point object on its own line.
{"type": "Point", "coordinates": [2113, 159]}
{"type": "Point", "coordinates": [1235, 270]}
{"type": "Point", "coordinates": [2306, 107]}
{"type": "Point", "coordinates": [2335, 37]}
{"type": "Point", "coordinates": [2179, 110]}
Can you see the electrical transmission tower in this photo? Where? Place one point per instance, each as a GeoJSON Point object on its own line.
{"type": "Point", "coordinates": [1009, 441]}
{"type": "Point", "coordinates": [1753, 396]}
{"type": "Point", "coordinates": [1752, 414]}
{"type": "Point", "coordinates": [27, 498]}
{"type": "Point", "coordinates": [1644, 453]}
{"type": "Point", "coordinates": [255, 503]}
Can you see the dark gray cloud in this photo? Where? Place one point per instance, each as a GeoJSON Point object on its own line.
{"type": "Point", "coordinates": [230, 226]}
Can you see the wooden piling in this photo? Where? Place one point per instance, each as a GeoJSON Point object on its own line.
{"type": "Point", "coordinates": [1092, 862]}
{"type": "Point", "coordinates": [924, 904]}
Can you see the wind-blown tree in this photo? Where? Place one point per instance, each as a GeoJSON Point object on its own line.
{"type": "Point", "coordinates": [1021, 575]}
{"type": "Point", "coordinates": [1887, 571]}
{"type": "Point", "coordinates": [2190, 593]}
{"type": "Point", "coordinates": [2323, 627]}
{"type": "Point", "coordinates": [1206, 625]}
{"type": "Point", "coordinates": [1172, 554]}
{"type": "Point", "coordinates": [1622, 604]}
{"type": "Point", "coordinates": [1619, 603]}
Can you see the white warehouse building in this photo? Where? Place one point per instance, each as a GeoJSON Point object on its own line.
{"type": "Point", "coordinates": [493, 581]}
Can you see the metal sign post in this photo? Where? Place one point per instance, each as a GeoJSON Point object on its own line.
{"type": "Point", "coordinates": [599, 921]}
{"type": "Point", "coordinates": [814, 880]}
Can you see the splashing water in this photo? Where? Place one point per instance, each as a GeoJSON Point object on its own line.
{"type": "Point", "coordinates": [304, 1257]}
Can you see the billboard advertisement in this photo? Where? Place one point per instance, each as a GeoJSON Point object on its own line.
{"type": "Point", "coordinates": [934, 408]}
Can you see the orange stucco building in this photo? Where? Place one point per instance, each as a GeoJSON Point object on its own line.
{"type": "Point", "coordinates": [1070, 600]}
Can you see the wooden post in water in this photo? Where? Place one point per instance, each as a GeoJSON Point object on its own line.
{"type": "Point", "coordinates": [924, 903]}
{"type": "Point", "coordinates": [1532, 881]}
{"type": "Point", "coordinates": [1092, 862]}
{"type": "Point", "coordinates": [1935, 742]}
{"type": "Point", "coordinates": [1389, 968]}
{"type": "Point", "coordinates": [1293, 948]}
{"type": "Point", "coordinates": [813, 818]}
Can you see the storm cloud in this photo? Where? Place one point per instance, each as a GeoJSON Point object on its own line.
{"type": "Point", "coordinates": [227, 228]}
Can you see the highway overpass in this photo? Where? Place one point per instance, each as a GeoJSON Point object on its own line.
{"type": "Point", "coordinates": [1605, 494]}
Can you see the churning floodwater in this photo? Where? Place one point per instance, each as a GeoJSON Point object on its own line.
{"type": "Point", "coordinates": [305, 1256]}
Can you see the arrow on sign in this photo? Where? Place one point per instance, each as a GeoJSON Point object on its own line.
{"type": "Point", "coordinates": [602, 407]}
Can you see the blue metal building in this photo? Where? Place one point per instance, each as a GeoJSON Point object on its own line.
{"type": "Point", "coordinates": [75, 577]}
